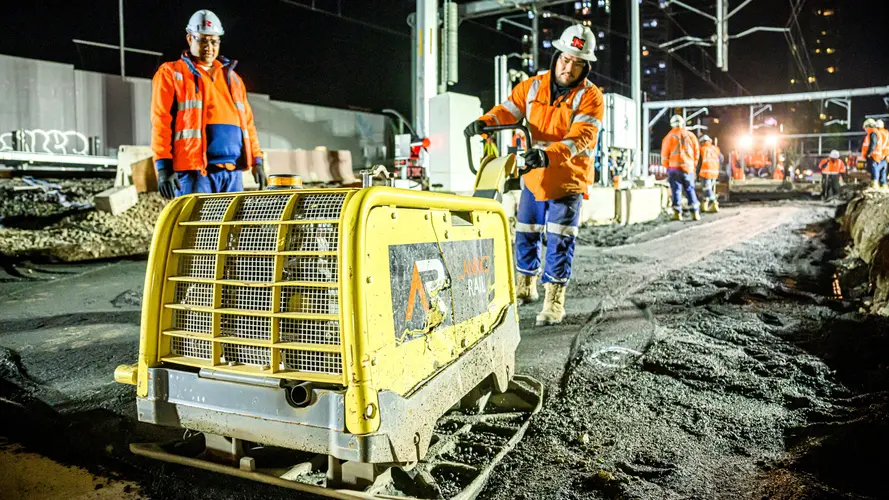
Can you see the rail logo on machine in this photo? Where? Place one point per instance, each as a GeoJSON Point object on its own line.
{"type": "Point", "coordinates": [435, 287]}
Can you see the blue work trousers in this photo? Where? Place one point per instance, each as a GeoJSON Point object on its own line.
{"type": "Point", "coordinates": [560, 220]}
{"type": "Point", "coordinates": [709, 189]}
{"type": "Point", "coordinates": [217, 180]}
{"type": "Point", "coordinates": [877, 170]}
{"type": "Point", "coordinates": [680, 182]}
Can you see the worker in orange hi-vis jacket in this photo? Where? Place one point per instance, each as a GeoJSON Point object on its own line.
{"type": "Point", "coordinates": [202, 130]}
{"type": "Point", "coordinates": [564, 112]}
{"type": "Point", "coordinates": [709, 165]}
{"type": "Point", "coordinates": [680, 153]}
{"type": "Point", "coordinates": [831, 169]}
{"type": "Point", "coordinates": [872, 153]}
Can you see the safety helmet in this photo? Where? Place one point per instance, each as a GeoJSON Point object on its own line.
{"type": "Point", "coordinates": [577, 41]}
{"type": "Point", "coordinates": [870, 123]}
{"type": "Point", "coordinates": [835, 154]}
{"type": "Point", "coordinates": [205, 22]}
{"type": "Point", "coordinates": [677, 121]}
{"type": "Point", "coordinates": [706, 138]}
{"type": "Point", "coordinates": [880, 124]}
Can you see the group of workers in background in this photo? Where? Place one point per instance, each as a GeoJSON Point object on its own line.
{"type": "Point", "coordinates": [685, 158]}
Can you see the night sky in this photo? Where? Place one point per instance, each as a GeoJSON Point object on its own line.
{"type": "Point", "coordinates": [298, 55]}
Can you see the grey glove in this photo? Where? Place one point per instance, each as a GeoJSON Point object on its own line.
{"type": "Point", "coordinates": [475, 128]}
{"type": "Point", "coordinates": [167, 182]}
{"type": "Point", "coordinates": [259, 176]}
{"type": "Point", "coordinates": [535, 158]}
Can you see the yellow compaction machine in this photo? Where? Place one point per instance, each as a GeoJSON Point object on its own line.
{"type": "Point", "coordinates": [353, 343]}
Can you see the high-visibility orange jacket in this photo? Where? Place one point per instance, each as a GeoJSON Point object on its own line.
{"type": "Point", "coordinates": [877, 149]}
{"type": "Point", "coordinates": [884, 142]}
{"type": "Point", "coordinates": [567, 127]}
{"type": "Point", "coordinates": [680, 149]}
{"type": "Point", "coordinates": [179, 118]}
{"type": "Point", "coordinates": [710, 161]}
{"type": "Point", "coordinates": [832, 166]}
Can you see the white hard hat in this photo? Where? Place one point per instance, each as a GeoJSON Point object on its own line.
{"type": "Point", "coordinates": [706, 138]}
{"type": "Point", "coordinates": [880, 124]}
{"type": "Point", "coordinates": [835, 154]}
{"type": "Point", "coordinates": [677, 121]}
{"type": "Point", "coordinates": [205, 22]}
{"type": "Point", "coordinates": [577, 41]}
{"type": "Point", "coordinates": [870, 123]}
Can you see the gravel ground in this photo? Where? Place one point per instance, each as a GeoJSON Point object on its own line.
{"type": "Point", "coordinates": [739, 376]}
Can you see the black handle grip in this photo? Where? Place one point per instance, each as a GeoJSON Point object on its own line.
{"type": "Point", "coordinates": [495, 128]}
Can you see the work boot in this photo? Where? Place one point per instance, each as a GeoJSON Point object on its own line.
{"type": "Point", "coordinates": [714, 206]}
{"type": "Point", "coordinates": [875, 185]}
{"type": "Point", "coordinates": [677, 215]}
{"type": "Point", "coordinates": [526, 289]}
{"type": "Point", "coordinates": [553, 305]}
{"type": "Point", "coordinates": [706, 207]}
{"type": "Point", "coordinates": [696, 215]}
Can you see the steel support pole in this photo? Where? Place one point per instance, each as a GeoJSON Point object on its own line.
{"type": "Point", "coordinates": [425, 62]}
{"type": "Point", "coordinates": [771, 99]}
{"type": "Point", "coordinates": [720, 32]}
{"type": "Point", "coordinates": [535, 43]}
{"type": "Point", "coordinates": [636, 78]}
{"type": "Point", "coordinates": [644, 162]}
{"type": "Point", "coordinates": [123, 71]}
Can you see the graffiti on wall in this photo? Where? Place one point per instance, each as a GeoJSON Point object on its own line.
{"type": "Point", "coordinates": [61, 142]}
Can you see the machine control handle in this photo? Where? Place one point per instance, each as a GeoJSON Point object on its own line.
{"type": "Point", "coordinates": [495, 128]}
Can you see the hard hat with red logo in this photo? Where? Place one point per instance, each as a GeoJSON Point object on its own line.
{"type": "Point", "coordinates": [205, 22]}
{"type": "Point", "coordinates": [577, 41]}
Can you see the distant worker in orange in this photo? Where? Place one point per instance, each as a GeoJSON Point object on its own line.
{"type": "Point", "coordinates": [680, 154]}
{"type": "Point", "coordinates": [872, 153]}
{"type": "Point", "coordinates": [202, 130]}
{"type": "Point", "coordinates": [711, 160]}
{"type": "Point", "coordinates": [831, 170]}
{"type": "Point", "coordinates": [737, 171]}
{"type": "Point", "coordinates": [884, 142]}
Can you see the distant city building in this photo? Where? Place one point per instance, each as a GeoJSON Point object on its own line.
{"type": "Point", "coordinates": [659, 81]}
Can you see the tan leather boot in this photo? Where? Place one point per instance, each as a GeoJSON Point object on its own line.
{"type": "Point", "coordinates": [875, 185]}
{"type": "Point", "coordinates": [553, 305]}
{"type": "Point", "coordinates": [526, 289]}
{"type": "Point", "coordinates": [706, 207]}
{"type": "Point", "coordinates": [676, 215]}
{"type": "Point", "coordinates": [696, 215]}
{"type": "Point", "coordinates": [714, 206]}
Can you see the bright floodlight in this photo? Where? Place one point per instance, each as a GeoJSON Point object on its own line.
{"type": "Point", "coordinates": [746, 141]}
{"type": "Point", "coordinates": [772, 140]}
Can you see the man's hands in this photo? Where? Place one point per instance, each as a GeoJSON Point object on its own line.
{"type": "Point", "coordinates": [535, 158]}
{"type": "Point", "coordinates": [259, 176]}
{"type": "Point", "coordinates": [474, 128]}
{"type": "Point", "coordinates": [167, 182]}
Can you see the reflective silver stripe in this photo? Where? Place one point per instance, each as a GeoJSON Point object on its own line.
{"type": "Point", "coordinates": [572, 147]}
{"type": "Point", "coordinates": [513, 110]}
{"type": "Point", "coordinates": [191, 133]}
{"type": "Point", "coordinates": [556, 280]}
{"type": "Point", "coordinates": [529, 228]}
{"type": "Point", "coordinates": [240, 106]}
{"type": "Point", "coordinates": [532, 93]}
{"type": "Point", "coordinates": [542, 144]}
{"type": "Point", "coordinates": [582, 118]}
{"type": "Point", "coordinates": [190, 104]}
{"type": "Point", "coordinates": [535, 272]}
{"type": "Point", "coordinates": [496, 120]}
{"type": "Point", "coordinates": [561, 230]}
{"type": "Point", "coordinates": [178, 76]}
{"type": "Point", "coordinates": [577, 97]}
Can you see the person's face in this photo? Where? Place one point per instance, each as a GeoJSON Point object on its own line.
{"type": "Point", "coordinates": [568, 69]}
{"type": "Point", "coordinates": [204, 48]}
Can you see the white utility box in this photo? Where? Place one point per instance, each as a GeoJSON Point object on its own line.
{"type": "Point", "coordinates": [449, 114]}
{"type": "Point", "coordinates": [620, 122]}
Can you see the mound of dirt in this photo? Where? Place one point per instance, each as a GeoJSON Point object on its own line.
{"type": "Point", "coordinates": [866, 226]}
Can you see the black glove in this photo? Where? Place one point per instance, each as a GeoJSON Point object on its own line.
{"type": "Point", "coordinates": [167, 183]}
{"type": "Point", "coordinates": [535, 158]}
{"type": "Point", "coordinates": [475, 128]}
{"type": "Point", "coordinates": [259, 176]}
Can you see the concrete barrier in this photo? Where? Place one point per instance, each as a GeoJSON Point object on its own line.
{"type": "Point", "coordinates": [136, 163]}
{"type": "Point", "coordinates": [640, 204]}
{"type": "Point", "coordinates": [600, 207]}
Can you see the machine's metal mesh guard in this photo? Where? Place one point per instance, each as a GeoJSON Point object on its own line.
{"type": "Point", "coordinates": [311, 300]}
{"type": "Point", "coordinates": [194, 294]}
{"type": "Point", "coordinates": [319, 206]}
{"type": "Point", "coordinates": [246, 354]}
{"type": "Point", "coordinates": [191, 348]}
{"type": "Point", "coordinates": [310, 331]}
{"type": "Point", "coordinates": [313, 238]}
{"type": "Point", "coordinates": [311, 361]}
{"type": "Point", "coordinates": [312, 269]}
{"type": "Point", "coordinates": [246, 235]}
{"type": "Point", "coordinates": [245, 327]}
{"type": "Point", "coordinates": [262, 238]}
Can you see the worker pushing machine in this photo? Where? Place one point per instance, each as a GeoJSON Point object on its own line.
{"type": "Point", "coordinates": [680, 154]}
{"type": "Point", "coordinates": [832, 168]}
{"type": "Point", "coordinates": [564, 112]}
{"type": "Point", "coordinates": [202, 129]}
{"type": "Point", "coordinates": [711, 161]}
{"type": "Point", "coordinates": [872, 152]}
